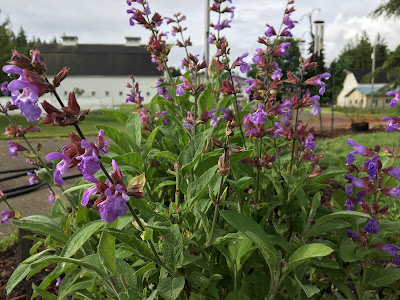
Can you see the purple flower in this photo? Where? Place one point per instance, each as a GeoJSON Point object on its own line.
{"type": "Point", "coordinates": [396, 99]}
{"type": "Point", "coordinates": [224, 24]}
{"type": "Point", "coordinates": [244, 67]}
{"type": "Point", "coordinates": [349, 204]}
{"type": "Point", "coordinates": [260, 116]}
{"type": "Point", "coordinates": [392, 123]}
{"type": "Point", "coordinates": [356, 182]}
{"type": "Point", "coordinates": [8, 215]}
{"type": "Point", "coordinates": [188, 121]}
{"type": "Point", "coordinates": [392, 250]}
{"type": "Point", "coordinates": [317, 80]}
{"type": "Point", "coordinates": [286, 32]}
{"type": "Point", "coordinates": [358, 149]}
{"type": "Point", "coordinates": [372, 166]}
{"type": "Point", "coordinates": [28, 98]}
{"type": "Point", "coordinates": [214, 119]}
{"type": "Point", "coordinates": [3, 88]}
{"type": "Point", "coordinates": [279, 130]}
{"type": "Point", "coordinates": [372, 227]}
{"type": "Point", "coordinates": [354, 236]}
{"type": "Point", "coordinates": [257, 58]}
{"type": "Point", "coordinates": [89, 164]}
{"type": "Point", "coordinates": [115, 204]}
{"type": "Point", "coordinates": [13, 149]}
{"type": "Point", "coordinates": [180, 88]}
{"type": "Point", "coordinates": [211, 38]}
{"type": "Point", "coordinates": [277, 74]}
{"type": "Point", "coordinates": [280, 50]}
{"type": "Point", "coordinates": [163, 91]}
{"type": "Point", "coordinates": [58, 280]}
{"type": "Point", "coordinates": [288, 22]}
{"type": "Point", "coordinates": [270, 31]}
{"type": "Point", "coordinates": [52, 198]}
{"type": "Point", "coordinates": [309, 143]}
{"type": "Point", "coordinates": [315, 108]}
{"type": "Point", "coordinates": [61, 168]}
{"type": "Point", "coordinates": [34, 178]}
{"type": "Point", "coordinates": [101, 143]}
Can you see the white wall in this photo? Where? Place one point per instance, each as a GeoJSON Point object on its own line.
{"type": "Point", "coordinates": [349, 83]}
{"type": "Point", "coordinates": [99, 85]}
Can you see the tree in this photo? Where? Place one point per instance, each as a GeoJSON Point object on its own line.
{"type": "Point", "coordinates": [6, 45]}
{"type": "Point", "coordinates": [357, 55]}
{"type": "Point", "coordinates": [388, 8]}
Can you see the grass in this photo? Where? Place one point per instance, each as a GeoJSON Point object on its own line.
{"type": "Point", "coordinates": [9, 241]}
{"type": "Point", "coordinates": [337, 147]}
{"type": "Point", "coordinates": [46, 131]}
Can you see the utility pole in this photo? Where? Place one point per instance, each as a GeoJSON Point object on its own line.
{"type": "Point", "coordinates": [207, 35]}
{"type": "Point", "coordinates": [318, 45]}
{"type": "Point", "coordinates": [373, 76]}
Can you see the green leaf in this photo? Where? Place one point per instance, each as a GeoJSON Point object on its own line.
{"type": "Point", "coordinates": [133, 128]}
{"type": "Point", "coordinates": [80, 237]}
{"type": "Point", "coordinates": [305, 253]}
{"type": "Point", "coordinates": [351, 252]}
{"type": "Point", "coordinates": [172, 247]}
{"type": "Point", "coordinates": [167, 155]}
{"type": "Point", "coordinates": [197, 188]}
{"type": "Point", "coordinates": [169, 288]}
{"type": "Point", "coordinates": [138, 246]}
{"type": "Point", "coordinates": [44, 228]}
{"type": "Point", "coordinates": [381, 277]}
{"type": "Point", "coordinates": [23, 270]}
{"type": "Point", "coordinates": [106, 250]}
{"type": "Point", "coordinates": [78, 187]}
{"type": "Point", "coordinates": [192, 150]}
{"type": "Point", "coordinates": [328, 174]}
{"type": "Point", "coordinates": [117, 136]}
{"type": "Point", "coordinates": [309, 289]}
{"type": "Point", "coordinates": [342, 214]}
{"type": "Point", "coordinates": [254, 232]}
{"type": "Point", "coordinates": [43, 293]}
{"type": "Point", "coordinates": [79, 262]}
{"type": "Point", "coordinates": [150, 141]}
{"type": "Point", "coordinates": [206, 100]}
{"type": "Point", "coordinates": [278, 187]}
{"type": "Point", "coordinates": [45, 176]}
{"type": "Point", "coordinates": [326, 227]}
{"type": "Point", "coordinates": [132, 159]}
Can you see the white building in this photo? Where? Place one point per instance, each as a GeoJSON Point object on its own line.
{"type": "Point", "coordinates": [357, 94]}
{"type": "Point", "coordinates": [99, 72]}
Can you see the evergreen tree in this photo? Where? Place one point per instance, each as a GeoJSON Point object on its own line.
{"type": "Point", "coordinates": [388, 8]}
{"type": "Point", "coordinates": [6, 45]}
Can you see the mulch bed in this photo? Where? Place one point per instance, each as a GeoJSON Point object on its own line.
{"type": "Point", "coordinates": [8, 263]}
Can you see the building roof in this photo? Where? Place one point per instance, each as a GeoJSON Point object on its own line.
{"type": "Point", "coordinates": [93, 59]}
{"type": "Point", "coordinates": [366, 90]}
{"type": "Point", "coordinates": [361, 73]}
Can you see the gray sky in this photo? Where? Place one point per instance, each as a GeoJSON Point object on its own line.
{"type": "Point", "coordinates": [106, 21]}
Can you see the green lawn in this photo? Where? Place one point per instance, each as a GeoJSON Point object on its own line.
{"type": "Point", "coordinates": [46, 131]}
{"type": "Point", "coordinates": [337, 147]}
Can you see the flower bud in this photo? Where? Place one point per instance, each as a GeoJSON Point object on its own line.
{"type": "Point", "coordinates": [20, 60]}
{"type": "Point", "coordinates": [60, 76]}
{"type": "Point", "coordinates": [38, 62]}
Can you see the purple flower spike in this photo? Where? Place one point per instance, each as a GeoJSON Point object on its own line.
{"type": "Point", "coordinates": [392, 250]}
{"type": "Point", "coordinates": [349, 204]}
{"type": "Point", "coordinates": [214, 119]}
{"type": "Point", "coordinates": [396, 99]}
{"type": "Point", "coordinates": [270, 31]}
{"type": "Point", "coordinates": [372, 227]}
{"type": "Point", "coordinates": [260, 116]}
{"type": "Point", "coordinates": [7, 216]}
{"type": "Point", "coordinates": [288, 22]}
{"type": "Point", "coordinates": [315, 108]}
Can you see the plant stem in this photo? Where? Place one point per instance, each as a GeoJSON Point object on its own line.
{"type": "Point", "coordinates": [214, 222]}
{"type": "Point", "coordinates": [150, 242]}
{"type": "Point", "coordinates": [396, 151]}
{"type": "Point", "coordinates": [258, 173]}
{"type": "Point", "coordinates": [37, 155]}
{"type": "Point", "coordinates": [294, 140]}
{"type": "Point", "coordinates": [364, 276]}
